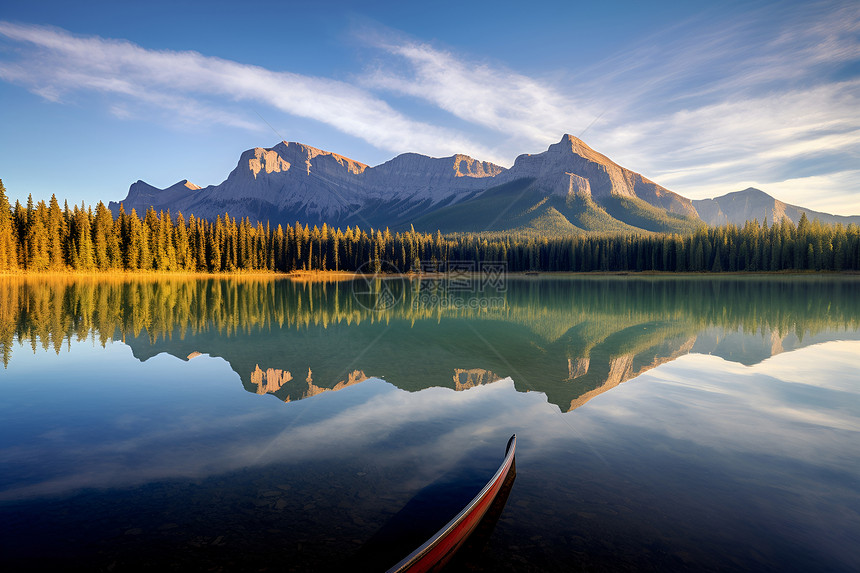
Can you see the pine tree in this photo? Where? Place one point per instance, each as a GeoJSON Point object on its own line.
{"type": "Point", "coordinates": [132, 238]}
{"type": "Point", "coordinates": [38, 258]}
{"type": "Point", "coordinates": [8, 242]}
{"type": "Point", "coordinates": [215, 246]}
{"type": "Point", "coordinates": [182, 245]}
{"type": "Point", "coordinates": [57, 231]}
{"type": "Point", "coordinates": [101, 234]}
{"type": "Point", "coordinates": [163, 248]}
{"type": "Point", "coordinates": [84, 258]}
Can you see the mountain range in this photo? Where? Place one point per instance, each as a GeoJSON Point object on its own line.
{"type": "Point", "coordinates": [569, 188]}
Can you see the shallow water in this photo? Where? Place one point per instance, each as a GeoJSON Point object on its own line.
{"type": "Point", "coordinates": [692, 423]}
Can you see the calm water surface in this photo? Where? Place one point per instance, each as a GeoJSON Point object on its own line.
{"type": "Point", "coordinates": [664, 424]}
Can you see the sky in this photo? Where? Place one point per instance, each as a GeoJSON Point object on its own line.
{"type": "Point", "coordinates": [704, 98]}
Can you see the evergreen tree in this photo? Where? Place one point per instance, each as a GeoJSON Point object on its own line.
{"type": "Point", "coordinates": [103, 228]}
{"type": "Point", "coordinates": [8, 242]}
{"type": "Point", "coordinates": [132, 238]}
{"type": "Point", "coordinates": [84, 252]}
{"type": "Point", "coordinates": [38, 258]}
{"type": "Point", "coordinates": [182, 245]}
{"type": "Point", "coordinates": [57, 231]}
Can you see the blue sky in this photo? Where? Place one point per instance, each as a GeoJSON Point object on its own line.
{"type": "Point", "coordinates": [702, 97]}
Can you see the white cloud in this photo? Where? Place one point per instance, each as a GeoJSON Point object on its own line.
{"type": "Point", "coordinates": [722, 107]}
{"type": "Point", "coordinates": [504, 101]}
{"type": "Point", "coordinates": [195, 444]}
{"type": "Point", "coordinates": [188, 83]}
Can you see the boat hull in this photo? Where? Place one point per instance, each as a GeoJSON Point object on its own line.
{"type": "Point", "coordinates": [436, 552]}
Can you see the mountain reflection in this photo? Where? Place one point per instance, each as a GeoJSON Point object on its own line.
{"type": "Point", "coordinates": [570, 338]}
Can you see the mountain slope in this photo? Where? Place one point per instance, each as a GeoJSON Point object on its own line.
{"type": "Point", "coordinates": [523, 205]}
{"type": "Point", "coordinates": [539, 205]}
{"type": "Point", "coordinates": [639, 213]}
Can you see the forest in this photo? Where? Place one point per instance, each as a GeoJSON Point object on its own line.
{"type": "Point", "coordinates": [47, 237]}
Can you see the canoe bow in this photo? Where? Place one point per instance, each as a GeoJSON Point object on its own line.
{"type": "Point", "coordinates": [439, 549]}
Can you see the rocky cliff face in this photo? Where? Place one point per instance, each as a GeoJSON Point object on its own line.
{"type": "Point", "coordinates": [465, 378]}
{"type": "Point", "coordinates": [289, 177]}
{"type": "Point", "coordinates": [292, 181]}
{"type": "Point", "coordinates": [417, 178]}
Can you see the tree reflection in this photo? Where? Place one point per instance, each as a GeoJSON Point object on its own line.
{"type": "Point", "coordinates": [571, 338]}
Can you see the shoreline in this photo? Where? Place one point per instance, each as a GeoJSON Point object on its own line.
{"type": "Point", "coordinates": [340, 276]}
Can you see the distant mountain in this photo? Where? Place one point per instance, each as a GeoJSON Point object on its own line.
{"type": "Point", "coordinates": [568, 188]}
{"type": "Point", "coordinates": [742, 206]}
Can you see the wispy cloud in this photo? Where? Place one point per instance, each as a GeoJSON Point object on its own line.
{"type": "Point", "coordinates": [741, 102]}
{"type": "Point", "coordinates": [702, 106]}
{"type": "Point", "coordinates": [56, 63]}
{"type": "Point", "coordinates": [698, 107]}
{"type": "Point", "coordinates": [507, 102]}
{"type": "Point", "coordinates": [741, 138]}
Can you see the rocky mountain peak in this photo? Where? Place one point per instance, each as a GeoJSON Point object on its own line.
{"type": "Point", "coordinates": [560, 156]}
{"type": "Point", "coordinates": [571, 167]}
{"type": "Point", "coordinates": [309, 154]}
{"type": "Point", "coordinates": [572, 145]}
{"type": "Point", "coordinates": [751, 192]}
{"type": "Point", "coordinates": [465, 166]}
{"type": "Point", "coordinates": [286, 154]}
{"type": "Point", "coordinates": [462, 165]}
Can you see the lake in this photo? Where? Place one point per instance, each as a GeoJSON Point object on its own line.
{"type": "Point", "coordinates": [692, 423]}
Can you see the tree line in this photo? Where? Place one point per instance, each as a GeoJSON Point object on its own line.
{"type": "Point", "coordinates": [45, 237]}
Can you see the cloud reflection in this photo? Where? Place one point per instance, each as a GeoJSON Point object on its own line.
{"type": "Point", "coordinates": [801, 405]}
{"type": "Point", "coordinates": [783, 407]}
{"type": "Point", "coordinates": [158, 445]}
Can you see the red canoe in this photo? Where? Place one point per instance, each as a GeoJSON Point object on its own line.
{"type": "Point", "coordinates": [438, 550]}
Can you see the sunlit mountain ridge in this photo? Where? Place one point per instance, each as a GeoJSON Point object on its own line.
{"type": "Point", "coordinates": [567, 189]}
